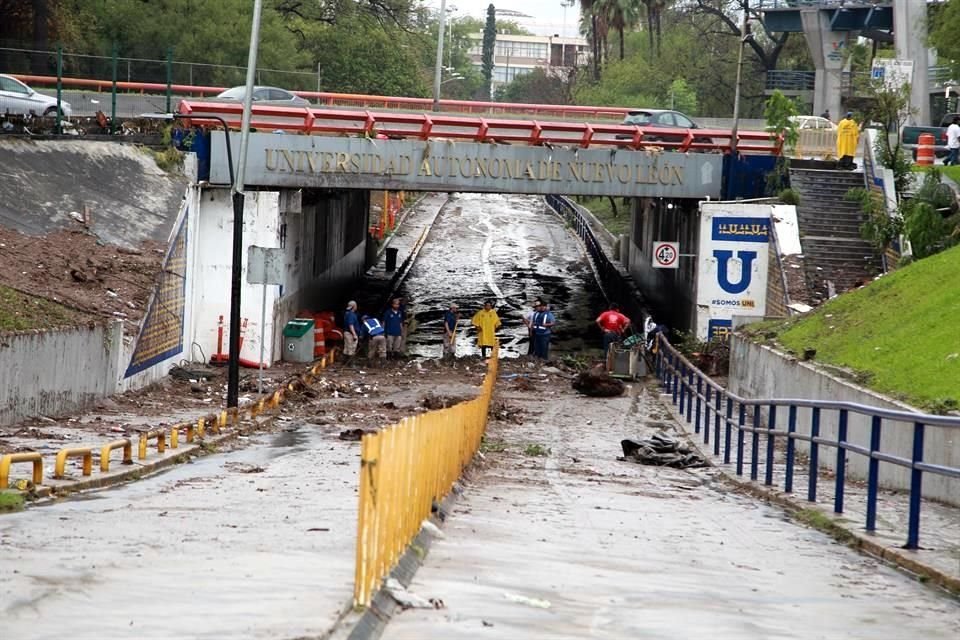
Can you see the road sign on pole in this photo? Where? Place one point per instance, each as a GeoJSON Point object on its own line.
{"type": "Point", "coordinates": [665, 255]}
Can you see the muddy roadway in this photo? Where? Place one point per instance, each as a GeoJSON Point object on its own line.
{"type": "Point", "coordinates": [553, 538]}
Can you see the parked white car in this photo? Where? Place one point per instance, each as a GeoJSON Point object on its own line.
{"type": "Point", "coordinates": [16, 97]}
{"type": "Point", "coordinates": [813, 122]}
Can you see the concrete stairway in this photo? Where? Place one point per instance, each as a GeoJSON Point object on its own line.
{"type": "Point", "coordinates": [830, 237]}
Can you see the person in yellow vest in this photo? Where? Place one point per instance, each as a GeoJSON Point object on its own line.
{"type": "Point", "coordinates": [487, 322]}
{"type": "Point", "coordinates": [848, 133]}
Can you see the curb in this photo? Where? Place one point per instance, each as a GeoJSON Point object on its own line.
{"type": "Point", "coordinates": [370, 624]}
{"type": "Point", "coordinates": [857, 540]}
{"type": "Point", "coordinates": [406, 212]}
{"type": "Point", "coordinates": [234, 421]}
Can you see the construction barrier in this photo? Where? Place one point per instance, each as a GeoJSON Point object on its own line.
{"type": "Point", "coordinates": [404, 470]}
{"type": "Point", "coordinates": [925, 152]}
{"type": "Point", "coordinates": [105, 450]}
{"type": "Point", "coordinates": [29, 456]}
{"type": "Point", "coordinates": [73, 452]}
{"type": "Point", "coordinates": [217, 422]}
{"type": "Point", "coordinates": [145, 438]}
{"type": "Point", "coordinates": [816, 143]}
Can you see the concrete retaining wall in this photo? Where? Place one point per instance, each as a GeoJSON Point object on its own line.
{"type": "Point", "coordinates": [46, 373]}
{"type": "Point", "coordinates": [758, 371]}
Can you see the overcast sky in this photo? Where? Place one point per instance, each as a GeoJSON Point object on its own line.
{"type": "Point", "coordinates": [546, 16]}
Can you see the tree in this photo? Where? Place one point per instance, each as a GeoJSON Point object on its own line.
{"type": "Point", "coordinates": [889, 105]}
{"type": "Point", "coordinates": [620, 15]}
{"type": "Point", "coordinates": [682, 97]}
{"type": "Point", "coordinates": [487, 62]}
{"type": "Point", "coordinates": [589, 26]}
{"type": "Point", "coordinates": [654, 18]}
{"type": "Point", "coordinates": [944, 24]}
{"type": "Point", "coordinates": [536, 86]}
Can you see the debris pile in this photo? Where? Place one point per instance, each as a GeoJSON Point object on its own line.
{"type": "Point", "coordinates": [662, 450]}
{"type": "Point", "coordinates": [598, 384]}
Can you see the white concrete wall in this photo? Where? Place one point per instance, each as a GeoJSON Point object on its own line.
{"type": "Point", "coordinates": [757, 371]}
{"type": "Point", "coordinates": [212, 257]}
{"type": "Point", "coordinates": [46, 373]}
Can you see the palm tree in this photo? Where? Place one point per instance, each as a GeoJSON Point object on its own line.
{"type": "Point", "coordinates": [654, 12]}
{"type": "Point", "coordinates": [587, 9]}
{"type": "Point", "coordinates": [621, 15]}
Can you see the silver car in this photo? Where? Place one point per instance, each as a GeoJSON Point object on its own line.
{"type": "Point", "coordinates": [268, 95]}
{"type": "Point", "coordinates": [16, 97]}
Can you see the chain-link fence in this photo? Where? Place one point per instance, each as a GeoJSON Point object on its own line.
{"type": "Point", "coordinates": [165, 77]}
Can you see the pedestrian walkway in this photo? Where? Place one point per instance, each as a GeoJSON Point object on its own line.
{"type": "Point", "coordinates": [578, 545]}
{"type": "Point", "coordinates": [406, 240]}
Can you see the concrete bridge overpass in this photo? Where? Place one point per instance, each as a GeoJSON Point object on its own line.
{"type": "Point", "coordinates": [338, 149]}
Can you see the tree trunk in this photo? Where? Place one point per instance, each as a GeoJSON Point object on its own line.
{"type": "Point", "coordinates": [596, 48]}
{"type": "Point", "coordinates": [620, 29]}
{"type": "Point", "coordinates": [613, 206]}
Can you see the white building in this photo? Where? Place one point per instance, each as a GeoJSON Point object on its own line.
{"type": "Point", "coordinates": [516, 55]}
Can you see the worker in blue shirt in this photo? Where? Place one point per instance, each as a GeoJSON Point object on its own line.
{"type": "Point", "coordinates": [450, 320]}
{"type": "Point", "coordinates": [351, 330]}
{"type": "Point", "coordinates": [393, 326]}
{"type": "Point", "coordinates": [543, 322]}
{"type": "Point", "coordinates": [378, 342]}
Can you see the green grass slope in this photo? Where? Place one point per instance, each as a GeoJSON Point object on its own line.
{"type": "Point", "coordinates": [901, 332]}
{"type": "Point", "coordinates": [19, 312]}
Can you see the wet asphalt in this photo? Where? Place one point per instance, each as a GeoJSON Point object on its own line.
{"type": "Point", "coordinates": [258, 542]}
{"type": "Point", "coordinates": [509, 250]}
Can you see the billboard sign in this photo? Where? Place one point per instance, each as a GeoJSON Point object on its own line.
{"type": "Point", "coordinates": [731, 265]}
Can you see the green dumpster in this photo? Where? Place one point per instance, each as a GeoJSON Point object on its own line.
{"type": "Point", "coordinates": [298, 340]}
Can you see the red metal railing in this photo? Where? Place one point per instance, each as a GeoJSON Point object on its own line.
{"type": "Point", "coordinates": [438, 126]}
{"type": "Point", "coordinates": [350, 100]}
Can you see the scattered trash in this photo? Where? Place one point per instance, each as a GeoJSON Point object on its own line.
{"type": "Point", "coordinates": [241, 467]}
{"type": "Point", "coordinates": [662, 450]}
{"type": "Point", "coordinates": [530, 602]}
{"type": "Point", "coordinates": [318, 529]}
{"type": "Point", "coordinates": [598, 383]}
{"type": "Point", "coordinates": [486, 624]}
{"type": "Point", "coordinates": [407, 599]}
{"type": "Point", "coordinates": [354, 435]}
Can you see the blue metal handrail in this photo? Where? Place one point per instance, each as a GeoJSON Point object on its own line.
{"type": "Point", "coordinates": [787, 80]}
{"type": "Point", "coordinates": [696, 395]}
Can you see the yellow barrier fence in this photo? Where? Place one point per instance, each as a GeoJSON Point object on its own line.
{"type": "Point", "coordinates": [816, 143]}
{"type": "Point", "coordinates": [404, 469]}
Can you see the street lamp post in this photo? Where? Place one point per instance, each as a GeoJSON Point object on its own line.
{"type": "Point", "coordinates": [736, 93]}
{"type": "Point", "coordinates": [439, 63]}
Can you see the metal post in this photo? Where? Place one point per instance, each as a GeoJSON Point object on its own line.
{"type": "Point", "coordinates": [113, 92]}
{"type": "Point", "coordinates": [59, 128]}
{"type": "Point", "coordinates": [263, 334]}
{"type": "Point", "coordinates": [755, 444]}
{"type": "Point", "coordinates": [233, 365]}
{"type": "Point", "coordinates": [706, 407]}
{"type": "Point", "coordinates": [439, 64]}
{"type": "Point", "coordinates": [873, 475]}
{"type": "Point", "coordinates": [741, 422]}
{"type": "Point", "coordinates": [771, 426]}
{"type": "Point", "coordinates": [814, 468]}
{"type": "Point", "coordinates": [736, 94]}
{"type": "Point", "coordinates": [841, 470]}
{"type": "Point", "coordinates": [916, 479]}
{"type": "Point", "coordinates": [716, 425]}
{"type": "Point", "coordinates": [728, 429]}
{"type": "Point", "coordinates": [169, 78]}
{"type": "Point", "coordinates": [791, 448]}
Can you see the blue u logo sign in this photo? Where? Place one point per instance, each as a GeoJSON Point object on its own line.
{"type": "Point", "coordinates": [746, 259]}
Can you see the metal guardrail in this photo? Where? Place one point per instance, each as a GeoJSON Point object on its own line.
{"type": "Point", "coordinates": [426, 126]}
{"type": "Point", "coordinates": [784, 80]}
{"type": "Point", "coordinates": [404, 470]}
{"type": "Point", "coordinates": [697, 397]}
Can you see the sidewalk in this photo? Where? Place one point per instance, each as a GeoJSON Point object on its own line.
{"type": "Point", "coordinates": [379, 284]}
{"type": "Point", "coordinates": [578, 545]}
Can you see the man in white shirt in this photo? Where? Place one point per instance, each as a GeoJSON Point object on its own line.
{"type": "Point", "coordinates": [953, 141]}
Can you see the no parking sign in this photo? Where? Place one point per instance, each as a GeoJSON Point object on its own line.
{"type": "Point", "coordinates": [665, 254]}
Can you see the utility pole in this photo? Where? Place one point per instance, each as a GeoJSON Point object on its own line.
{"type": "Point", "coordinates": [438, 67]}
{"type": "Point", "coordinates": [736, 94]}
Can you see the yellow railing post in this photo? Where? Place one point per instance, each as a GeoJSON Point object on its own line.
{"type": "Point", "coordinates": [405, 468]}
{"type": "Point", "coordinates": [28, 456]}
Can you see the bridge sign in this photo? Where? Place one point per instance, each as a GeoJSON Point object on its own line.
{"type": "Point", "coordinates": [665, 254]}
{"type": "Point", "coordinates": [326, 162]}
